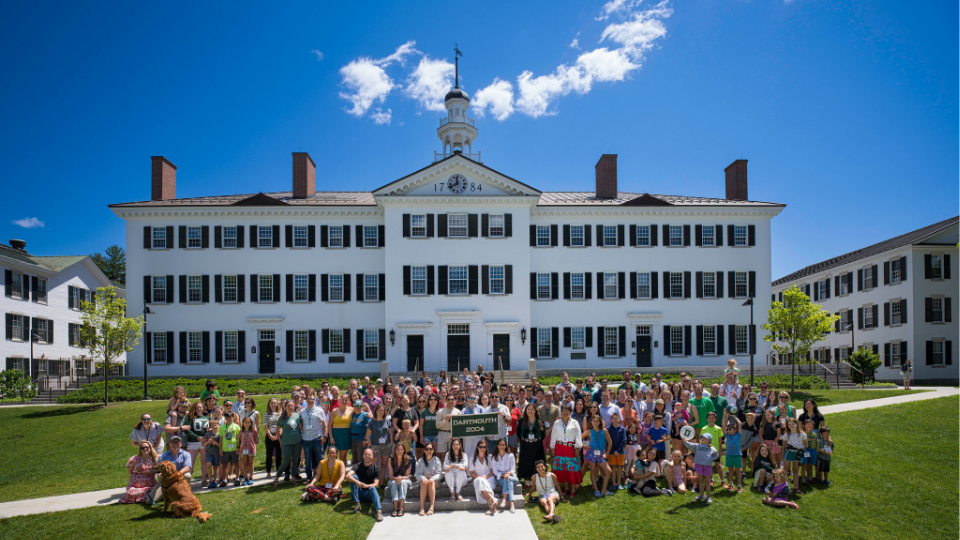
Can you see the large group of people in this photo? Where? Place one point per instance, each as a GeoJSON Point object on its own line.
{"type": "Point", "coordinates": [650, 437]}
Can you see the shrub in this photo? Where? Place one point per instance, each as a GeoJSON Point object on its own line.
{"type": "Point", "coordinates": [803, 382]}
{"type": "Point", "coordinates": [14, 383]}
{"type": "Point", "coordinates": [132, 390]}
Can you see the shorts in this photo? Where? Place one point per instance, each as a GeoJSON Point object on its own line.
{"type": "Point", "coordinates": [192, 446]}
{"type": "Point", "coordinates": [229, 457]}
{"type": "Point", "coordinates": [704, 470]}
{"type": "Point", "coordinates": [823, 465]}
{"type": "Point", "coordinates": [512, 441]}
{"type": "Point", "coordinates": [735, 462]}
{"type": "Point", "coordinates": [443, 442]}
{"type": "Point", "coordinates": [809, 457]}
{"type": "Point", "coordinates": [661, 455]}
{"type": "Point", "coordinates": [430, 438]}
{"type": "Point", "coordinates": [792, 455]}
{"type": "Point", "coordinates": [381, 450]}
{"type": "Point", "coordinates": [756, 476]}
{"type": "Point", "coordinates": [214, 459]}
{"type": "Point", "coordinates": [717, 459]}
{"type": "Point", "coordinates": [616, 460]}
{"type": "Point", "coordinates": [774, 447]}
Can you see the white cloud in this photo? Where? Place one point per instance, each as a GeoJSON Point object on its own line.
{"type": "Point", "coordinates": [381, 117]}
{"type": "Point", "coordinates": [638, 34]}
{"type": "Point", "coordinates": [28, 223]}
{"type": "Point", "coordinates": [498, 97]}
{"type": "Point", "coordinates": [615, 7]}
{"type": "Point", "coordinates": [605, 65]}
{"type": "Point", "coordinates": [537, 93]}
{"type": "Point", "coordinates": [318, 54]}
{"type": "Point", "coordinates": [575, 44]}
{"type": "Point", "coordinates": [430, 82]}
{"type": "Point", "coordinates": [400, 54]}
{"type": "Point", "coordinates": [368, 82]}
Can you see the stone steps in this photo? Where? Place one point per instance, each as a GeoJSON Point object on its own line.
{"type": "Point", "coordinates": [443, 503]}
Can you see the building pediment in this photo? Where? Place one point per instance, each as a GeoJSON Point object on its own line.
{"type": "Point", "coordinates": [477, 180]}
{"type": "Point", "coordinates": [260, 199]}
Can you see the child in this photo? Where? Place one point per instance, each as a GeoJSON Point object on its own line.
{"type": "Point", "coordinates": [680, 419]}
{"type": "Point", "coordinates": [211, 442]}
{"type": "Point", "coordinates": [228, 449]}
{"type": "Point", "coordinates": [632, 445]}
{"type": "Point", "coordinates": [690, 472]}
{"type": "Point", "coordinates": [750, 429]}
{"type": "Point", "coordinates": [770, 433]}
{"type": "Point", "coordinates": [779, 490]}
{"type": "Point", "coordinates": [644, 473]}
{"type": "Point", "coordinates": [596, 453]}
{"type": "Point", "coordinates": [824, 455]}
{"type": "Point", "coordinates": [645, 428]}
{"type": "Point", "coordinates": [249, 439]}
{"type": "Point", "coordinates": [794, 443]}
{"type": "Point", "coordinates": [716, 438]}
{"type": "Point", "coordinates": [406, 436]}
{"type": "Point", "coordinates": [615, 457]}
{"type": "Point", "coordinates": [762, 467]}
{"type": "Point", "coordinates": [673, 471]}
{"type": "Point", "coordinates": [733, 451]}
{"type": "Point", "coordinates": [809, 460]}
{"type": "Point", "coordinates": [703, 459]}
{"type": "Point", "coordinates": [732, 368]}
{"type": "Point", "coordinates": [659, 436]}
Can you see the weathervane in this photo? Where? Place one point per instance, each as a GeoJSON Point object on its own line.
{"type": "Point", "coordinates": [456, 65]}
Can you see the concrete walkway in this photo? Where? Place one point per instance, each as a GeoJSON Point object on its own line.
{"type": "Point", "coordinates": [937, 392]}
{"type": "Point", "coordinates": [456, 525]}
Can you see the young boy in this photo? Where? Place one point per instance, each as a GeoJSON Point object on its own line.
{"type": "Point", "coordinates": [733, 449]}
{"type": "Point", "coordinates": [228, 449]}
{"type": "Point", "coordinates": [407, 437]}
{"type": "Point", "coordinates": [615, 457]}
{"type": "Point", "coordinates": [211, 442]}
{"type": "Point", "coordinates": [809, 462]}
{"type": "Point", "coordinates": [659, 436]}
{"type": "Point", "coordinates": [704, 455]}
{"type": "Point", "coordinates": [824, 455]}
{"type": "Point", "coordinates": [716, 438]}
{"type": "Point", "coordinates": [732, 368]}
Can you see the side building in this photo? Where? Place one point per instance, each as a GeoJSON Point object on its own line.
{"type": "Point", "coordinates": [894, 297]}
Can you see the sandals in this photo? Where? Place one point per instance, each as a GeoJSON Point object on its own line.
{"type": "Point", "coordinates": [430, 511]}
{"type": "Point", "coordinates": [393, 514]}
{"type": "Point", "coordinates": [422, 513]}
{"type": "Point", "coordinates": [453, 497]}
{"type": "Point", "coordinates": [400, 513]}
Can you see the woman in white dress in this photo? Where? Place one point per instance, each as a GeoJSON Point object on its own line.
{"type": "Point", "coordinates": [455, 466]}
{"type": "Point", "coordinates": [483, 477]}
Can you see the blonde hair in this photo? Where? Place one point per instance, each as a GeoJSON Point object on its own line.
{"type": "Point", "coordinates": [153, 452]}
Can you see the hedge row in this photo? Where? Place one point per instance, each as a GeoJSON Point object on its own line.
{"type": "Point", "coordinates": [130, 390]}
{"type": "Point", "coordinates": [779, 381]}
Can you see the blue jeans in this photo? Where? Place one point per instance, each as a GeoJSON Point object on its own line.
{"type": "Point", "coordinates": [507, 484]}
{"type": "Point", "coordinates": [312, 454]}
{"type": "Point", "coordinates": [365, 494]}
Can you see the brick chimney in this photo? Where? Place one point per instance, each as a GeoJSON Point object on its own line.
{"type": "Point", "coordinates": [737, 180]}
{"type": "Point", "coordinates": [304, 176]}
{"type": "Point", "coordinates": [163, 184]}
{"type": "Point", "coordinates": [606, 170]}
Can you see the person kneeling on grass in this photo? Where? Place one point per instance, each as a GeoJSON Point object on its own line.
{"type": "Point", "coordinates": [327, 479]}
{"type": "Point", "coordinates": [644, 473]}
{"type": "Point", "coordinates": [546, 486]}
{"type": "Point", "coordinates": [779, 490]}
{"type": "Point", "coordinates": [704, 454]}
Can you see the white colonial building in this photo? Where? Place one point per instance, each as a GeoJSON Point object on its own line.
{"type": "Point", "coordinates": [451, 266]}
{"type": "Point", "coordinates": [41, 297]}
{"type": "Point", "coordinates": [894, 297]}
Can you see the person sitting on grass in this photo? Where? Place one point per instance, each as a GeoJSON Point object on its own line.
{"type": "Point", "coordinates": [327, 479]}
{"type": "Point", "coordinates": [643, 474]}
{"type": "Point", "coordinates": [824, 455]}
{"type": "Point", "coordinates": [673, 470]}
{"type": "Point", "coordinates": [365, 477]}
{"type": "Point", "coordinates": [142, 478]}
{"type": "Point", "coordinates": [546, 486]}
{"type": "Point", "coordinates": [763, 467]}
{"type": "Point", "coordinates": [779, 491]}
{"type": "Point", "coordinates": [704, 455]}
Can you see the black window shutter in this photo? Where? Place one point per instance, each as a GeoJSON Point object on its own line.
{"type": "Point", "coordinates": [253, 236]}
{"type": "Point", "coordinates": [633, 284]}
{"type": "Point", "coordinates": [183, 289]}
{"type": "Point", "coordinates": [276, 236]}
{"type": "Point", "coordinates": [442, 278]}
{"type": "Point", "coordinates": [566, 337]}
{"type": "Point", "coordinates": [429, 225]}
{"type": "Point", "coordinates": [361, 242]}
{"type": "Point", "coordinates": [698, 235]}
{"type": "Point", "coordinates": [346, 237]}
{"type": "Point", "coordinates": [147, 237]}
{"type": "Point", "coordinates": [441, 225]}
{"type": "Point", "coordinates": [430, 280]}
{"type": "Point", "coordinates": [666, 235]}
{"type": "Point", "coordinates": [903, 268]}
{"type": "Point", "coordinates": [666, 341]}
{"type": "Point", "coordinates": [587, 285]}
{"type": "Point", "coordinates": [325, 341]}
{"type": "Point", "coordinates": [929, 353]}
{"type": "Point", "coordinates": [622, 341]}
{"type": "Point", "coordinates": [360, 296]}
{"type": "Point", "coordinates": [836, 284]}
{"type": "Point", "coordinates": [886, 313]}
{"type": "Point", "coordinates": [473, 274]}
{"type": "Point", "coordinates": [730, 238]}
{"type": "Point", "coordinates": [183, 236]}
{"type": "Point", "coordinates": [533, 343]}
{"type": "Point", "coordinates": [312, 352]}
{"type": "Point", "coordinates": [383, 344]}
{"type": "Point", "coordinates": [205, 289]}
{"type": "Point", "coordinates": [169, 291]}
{"type": "Point", "coordinates": [699, 340]}
{"type": "Point", "coordinates": [876, 322]}
{"type": "Point", "coordinates": [719, 233]}
{"type": "Point", "coordinates": [653, 235]}
{"type": "Point", "coordinates": [566, 235]}
{"type": "Point", "coordinates": [311, 236]}
{"type": "Point", "coordinates": [406, 225]}
{"type": "Point", "coordinates": [686, 284]}
{"type": "Point", "coordinates": [324, 288]}
{"type": "Point", "coordinates": [218, 237]}
{"type": "Point", "coordinates": [554, 285]}
{"type": "Point", "coordinates": [239, 237]}
{"type": "Point", "coordinates": [508, 225]}
{"type": "Point", "coordinates": [666, 284]}
{"type": "Point", "coordinates": [828, 287]}
{"type": "Point", "coordinates": [472, 226]}
{"type": "Point", "coordinates": [508, 278]}
{"type": "Point", "coordinates": [860, 279]}
{"type": "Point", "coordinates": [886, 355]}
{"type": "Point", "coordinates": [254, 289]}
{"type": "Point", "coordinates": [860, 318]}
{"type": "Point", "coordinates": [947, 316]}
{"type": "Point", "coordinates": [720, 344]}
{"type": "Point", "coordinates": [948, 352]}
{"type": "Point", "coordinates": [276, 287]}
{"type": "Point", "coordinates": [346, 341]}
{"type": "Point", "coordinates": [218, 346]}
{"type": "Point", "coordinates": [205, 236]}
{"type": "Point", "coordinates": [289, 345]}
{"type": "Point", "coordinates": [687, 338]}
{"type": "Point", "coordinates": [927, 266]}
{"type": "Point", "coordinates": [903, 351]}
{"type": "Point", "coordinates": [732, 335]}
{"type": "Point", "coordinates": [946, 266]}
{"type": "Point", "coordinates": [566, 285]}
{"type": "Point", "coordinates": [886, 273]}
{"type": "Point", "coordinates": [146, 292]}
{"type": "Point", "coordinates": [406, 280]}
{"type": "Point", "coordinates": [633, 235]}
{"type": "Point", "coordinates": [217, 288]}
{"type": "Point", "coordinates": [533, 236]}
{"type": "Point", "coordinates": [699, 285]}
{"type": "Point", "coordinates": [719, 283]}
{"type": "Point", "coordinates": [382, 281]}
{"type": "Point", "coordinates": [621, 285]}
{"type": "Point", "coordinates": [312, 287]}
{"type": "Point", "coordinates": [836, 323]}
{"type": "Point", "coordinates": [381, 236]}
{"type": "Point", "coordinates": [324, 231]}
{"type": "Point", "coordinates": [752, 283]}
{"type": "Point", "coordinates": [288, 235]}
{"type": "Point", "coordinates": [183, 347]}
{"type": "Point", "coordinates": [70, 292]}
{"type": "Point", "coordinates": [241, 285]}
{"type": "Point", "coordinates": [601, 288]}
{"type": "Point", "coordinates": [654, 285]}
{"type": "Point", "coordinates": [751, 235]}
{"type": "Point", "coordinates": [903, 311]}
{"type": "Point", "coordinates": [588, 337]}
{"type": "Point", "coordinates": [555, 342]}
{"type": "Point", "coordinates": [533, 285]}
{"type": "Point", "coordinates": [587, 236]}
{"type": "Point", "coordinates": [485, 279]}
{"type": "Point", "coordinates": [686, 236]}
{"type": "Point", "coordinates": [928, 309]}
{"type": "Point", "coordinates": [485, 225]}
{"type": "Point", "coordinates": [620, 235]}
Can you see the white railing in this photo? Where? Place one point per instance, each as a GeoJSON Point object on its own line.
{"type": "Point", "coordinates": [437, 156]}
{"type": "Point", "coordinates": [452, 119]}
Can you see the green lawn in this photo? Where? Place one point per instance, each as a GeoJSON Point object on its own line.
{"type": "Point", "coordinates": [835, 397]}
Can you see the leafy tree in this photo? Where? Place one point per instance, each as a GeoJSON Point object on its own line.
{"type": "Point", "coordinates": [113, 263]}
{"type": "Point", "coordinates": [107, 329]}
{"type": "Point", "coordinates": [795, 325]}
{"type": "Point", "coordinates": [16, 383]}
{"type": "Point", "coordinates": [863, 360]}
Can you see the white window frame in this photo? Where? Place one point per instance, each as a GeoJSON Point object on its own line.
{"type": "Point", "coordinates": [543, 236]}
{"type": "Point", "coordinates": [643, 236]}
{"type": "Point", "coordinates": [844, 353]}
{"type": "Point", "coordinates": [740, 282]}
{"type": "Point", "coordinates": [371, 342]}
{"type": "Point", "coordinates": [42, 329]}
{"type": "Point", "coordinates": [609, 235]}
{"type": "Point", "coordinates": [676, 341]}
{"type": "Point", "coordinates": [496, 227]}
{"type": "Point", "coordinates": [708, 236]}
{"type": "Point", "coordinates": [335, 236]}
{"type": "Point", "coordinates": [194, 289]}
{"type": "Point", "coordinates": [497, 279]}
{"type": "Point", "coordinates": [895, 271]}
{"type": "Point", "coordinates": [644, 285]}
{"type": "Point", "coordinates": [155, 291]}
{"type": "Point", "coordinates": [194, 347]}
{"type": "Point", "coordinates": [194, 237]}
{"type": "Point", "coordinates": [895, 315]}
{"type": "Point", "coordinates": [335, 292]}
{"type": "Point", "coordinates": [418, 280]}
{"type": "Point", "coordinates": [301, 345]}
{"type": "Point", "coordinates": [158, 238]}
{"type": "Point", "coordinates": [371, 236]}
{"type": "Point", "coordinates": [709, 285]}
{"type": "Point", "coordinates": [230, 292]}
{"type": "Point", "coordinates": [265, 288]}
{"type": "Point", "coordinates": [543, 286]}
{"type": "Point", "coordinates": [577, 236]}
{"type": "Point", "coordinates": [335, 335]}
{"type": "Point", "coordinates": [578, 339]}
{"type": "Point", "coordinates": [457, 226]}
{"type": "Point", "coordinates": [300, 236]}
{"type": "Point", "coordinates": [868, 317]}
{"type": "Point", "coordinates": [709, 340]}
{"type": "Point", "coordinates": [264, 237]}
{"type": "Point", "coordinates": [301, 288]}
{"type": "Point", "coordinates": [741, 339]}
{"type": "Point", "coordinates": [740, 235]}
{"type": "Point", "coordinates": [160, 348]}
{"type": "Point", "coordinates": [16, 330]}
{"type": "Point", "coordinates": [938, 353]}
{"type": "Point", "coordinates": [610, 284]}
{"type": "Point", "coordinates": [644, 330]}
{"type": "Point", "coordinates": [936, 267]}
{"type": "Point", "coordinates": [845, 285]}
{"type": "Point", "coordinates": [418, 225]}
{"type": "Point", "coordinates": [76, 296]}
{"type": "Point", "coordinates": [676, 281]}
{"type": "Point", "coordinates": [545, 342]}
{"type": "Point", "coordinates": [675, 235]}
{"type": "Point", "coordinates": [16, 287]}
{"type": "Point", "coordinates": [611, 342]}
{"type": "Point", "coordinates": [371, 287]}
{"type": "Point", "coordinates": [230, 235]}
{"type": "Point", "coordinates": [459, 273]}
{"type": "Point", "coordinates": [40, 295]}
{"type": "Point", "coordinates": [577, 286]}
{"type": "Point", "coordinates": [936, 309]}
{"type": "Point", "coordinates": [822, 287]}
{"type": "Point", "coordinates": [868, 278]}
{"type": "Point", "coordinates": [231, 347]}
{"type": "Point", "coordinates": [895, 347]}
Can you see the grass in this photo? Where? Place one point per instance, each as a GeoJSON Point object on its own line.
{"type": "Point", "coordinates": [836, 397]}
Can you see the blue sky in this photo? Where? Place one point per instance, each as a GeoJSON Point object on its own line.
{"type": "Point", "coordinates": [846, 111]}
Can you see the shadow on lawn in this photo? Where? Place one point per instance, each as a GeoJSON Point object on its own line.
{"type": "Point", "coordinates": [61, 411]}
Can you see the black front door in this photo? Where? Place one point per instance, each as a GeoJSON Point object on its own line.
{"type": "Point", "coordinates": [644, 354]}
{"type": "Point", "coordinates": [501, 351]}
{"type": "Point", "coordinates": [458, 353]}
{"type": "Point", "coordinates": [268, 360]}
{"type": "Point", "coordinates": [415, 353]}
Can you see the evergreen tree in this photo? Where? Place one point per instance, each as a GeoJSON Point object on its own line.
{"type": "Point", "coordinates": [113, 263]}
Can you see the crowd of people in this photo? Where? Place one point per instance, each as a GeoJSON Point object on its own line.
{"type": "Point", "coordinates": [653, 438]}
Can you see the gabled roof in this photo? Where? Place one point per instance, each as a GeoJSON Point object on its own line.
{"type": "Point", "coordinates": [59, 262]}
{"type": "Point", "coordinates": [260, 199]}
{"type": "Point", "coordinates": [533, 190]}
{"type": "Point", "coordinates": [910, 238]}
{"type": "Point", "coordinates": [7, 252]}
{"type": "Point", "coordinates": [579, 198]}
{"type": "Point", "coordinates": [322, 198]}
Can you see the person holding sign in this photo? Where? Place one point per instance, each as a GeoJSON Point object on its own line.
{"type": "Point", "coordinates": [470, 443]}
{"type": "Point", "coordinates": [443, 419]}
{"type": "Point", "coordinates": [455, 466]}
{"type": "Point", "coordinates": [566, 440]}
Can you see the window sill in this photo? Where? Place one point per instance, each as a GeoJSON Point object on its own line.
{"type": "Point", "coordinates": [677, 246]}
{"type": "Point", "coordinates": [228, 247]}
{"type": "Point", "coordinates": [300, 247]}
{"type": "Point", "coordinates": [708, 246]}
{"type": "Point", "coordinates": [159, 249]}
{"type": "Point", "coordinates": [576, 299]}
{"type": "Point", "coordinates": [265, 302]}
{"type": "Point", "coordinates": [575, 247]}
{"type": "Point", "coordinates": [937, 366]}
{"type": "Point", "coordinates": [937, 322]}
{"type": "Point", "coordinates": [609, 300]}
{"type": "Point", "coordinates": [370, 247]}
{"type": "Point", "coordinates": [334, 247]}
{"type": "Point", "coordinates": [708, 298]}
{"type": "Point", "coordinates": [448, 237]}
{"type": "Point", "coordinates": [417, 237]}
{"type": "Point", "coordinates": [192, 248]}
{"type": "Point", "coordinates": [193, 363]}
{"type": "Point", "coordinates": [646, 298]}
{"type": "Point", "coordinates": [496, 237]}
{"type": "Point", "coordinates": [230, 362]}
{"type": "Point", "coordinates": [643, 246]}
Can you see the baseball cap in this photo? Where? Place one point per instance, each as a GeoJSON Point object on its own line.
{"type": "Point", "coordinates": [707, 436]}
{"type": "Point", "coordinates": [176, 438]}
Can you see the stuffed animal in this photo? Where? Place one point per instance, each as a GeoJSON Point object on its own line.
{"type": "Point", "coordinates": [177, 493]}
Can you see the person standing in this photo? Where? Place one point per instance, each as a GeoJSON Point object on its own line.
{"type": "Point", "coordinates": [549, 412]}
{"type": "Point", "coordinates": [530, 440]}
{"type": "Point", "coordinates": [566, 441]}
{"type": "Point", "coordinates": [314, 429]}
{"type": "Point", "coordinates": [906, 370]}
{"type": "Point", "coordinates": [290, 428]}
{"type": "Point", "coordinates": [148, 430]}
{"type": "Point", "coordinates": [271, 441]}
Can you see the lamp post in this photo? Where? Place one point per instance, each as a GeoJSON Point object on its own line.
{"type": "Point", "coordinates": [34, 336]}
{"type": "Point", "coordinates": [146, 311]}
{"type": "Point", "coordinates": [750, 346]}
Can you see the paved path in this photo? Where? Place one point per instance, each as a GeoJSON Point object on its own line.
{"type": "Point", "coordinates": [504, 524]}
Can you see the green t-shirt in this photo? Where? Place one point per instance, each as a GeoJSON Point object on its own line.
{"type": "Point", "coordinates": [719, 404]}
{"type": "Point", "coordinates": [230, 437]}
{"type": "Point", "coordinates": [429, 421]}
{"type": "Point", "coordinates": [205, 393]}
{"type": "Point", "coordinates": [703, 406]}
{"type": "Point", "coordinates": [196, 428]}
{"type": "Point", "coordinates": [291, 429]}
{"type": "Point", "coordinates": [716, 432]}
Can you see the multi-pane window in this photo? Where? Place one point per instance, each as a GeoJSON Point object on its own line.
{"type": "Point", "coordinates": [371, 344]}
{"type": "Point", "coordinates": [159, 347]}
{"type": "Point", "coordinates": [936, 267]}
{"type": "Point", "coordinates": [709, 284]}
{"type": "Point", "coordinates": [301, 343]}
{"type": "Point", "coordinates": [707, 235]}
{"type": "Point", "coordinates": [895, 312]}
{"type": "Point", "coordinates": [457, 277]}
{"type": "Point", "coordinates": [231, 352]}
{"type": "Point", "coordinates": [644, 330]}
{"type": "Point", "coordinates": [230, 236]}
{"type": "Point", "coordinates": [497, 280]}
{"type": "Point", "coordinates": [676, 341]}
{"type": "Point", "coordinates": [544, 343]}
{"type": "Point", "coordinates": [194, 237]}
{"type": "Point", "coordinates": [267, 335]}
{"type": "Point", "coordinates": [643, 284]}
{"type": "Point", "coordinates": [822, 285]}
{"type": "Point", "coordinates": [194, 346]}
{"type": "Point", "coordinates": [844, 353]}
{"type": "Point", "coordinates": [576, 286]}
{"type": "Point", "coordinates": [418, 226]}
{"type": "Point", "coordinates": [543, 235]}
{"type": "Point", "coordinates": [300, 236]}
{"type": "Point", "coordinates": [844, 285]}
{"type": "Point", "coordinates": [576, 235]}
{"type": "Point", "coordinates": [264, 237]}
{"type": "Point", "coordinates": [709, 340]}
{"type": "Point", "coordinates": [300, 288]}
{"type": "Point", "coordinates": [868, 317]}
{"type": "Point", "coordinates": [76, 298]}
{"type": "Point", "coordinates": [371, 287]}
{"type": "Point", "coordinates": [609, 235]}
{"type": "Point", "coordinates": [458, 329]}
{"type": "Point", "coordinates": [335, 236]}
{"type": "Point", "coordinates": [676, 235]}
{"type": "Point", "coordinates": [578, 339]}
{"type": "Point", "coordinates": [937, 353]}
{"type": "Point", "coordinates": [740, 284]}
{"type": "Point", "coordinates": [543, 286]}
{"type": "Point", "coordinates": [40, 328]}
{"type": "Point", "coordinates": [159, 238]}
{"type": "Point", "coordinates": [457, 225]}
{"type": "Point", "coordinates": [868, 277]}
{"type": "Point", "coordinates": [336, 287]}
{"type": "Point", "coordinates": [418, 280]}
{"type": "Point", "coordinates": [936, 309]}
{"type": "Point", "coordinates": [16, 328]}
{"type": "Point", "coordinates": [16, 286]}
{"type": "Point", "coordinates": [159, 290]}
{"type": "Point", "coordinates": [643, 235]}
{"type": "Point", "coordinates": [741, 338]}
{"type": "Point", "coordinates": [194, 289]}
{"type": "Point", "coordinates": [676, 284]}
{"type": "Point", "coordinates": [336, 341]}
{"type": "Point", "coordinates": [229, 288]}
{"type": "Point", "coordinates": [40, 295]}
{"type": "Point", "coordinates": [895, 347]}
{"type": "Point", "coordinates": [610, 341]}
{"type": "Point", "coordinates": [371, 236]}
{"type": "Point", "coordinates": [610, 285]}
{"type": "Point", "coordinates": [266, 288]}
{"type": "Point", "coordinates": [496, 226]}
{"type": "Point", "coordinates": [740, 235]}
{"type": "Point", "coordinates": [895, 271]}
{"type": "Point", "coordinates": [846, 321]}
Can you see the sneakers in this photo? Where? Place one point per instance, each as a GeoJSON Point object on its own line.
{"type": "Point", "coordinates": [379, 515]}
{"type": "Point", "coordinates": [236, 483]}
{"type": "Point", "coordinates": [356, 508]}
{"type": "Point", "coordinates": [709, 500]}
{"type": "Point", "coordinates": [739, 489]}
{"type": "Point", "coordinates": [636, 489]}
{"type": "Point", "coordinates": [223, 484]}
{"type": "Point", "coordinates": [666, 491]}
{"type": "Point", "coordinates": [699, 498]}
{"type": "Point", "coordinates": [248, 483]}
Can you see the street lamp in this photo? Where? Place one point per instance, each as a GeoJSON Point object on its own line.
{"type": "Point", "coordinates": [750, 346]}
{"type": "Point", "coordinates": [853, 335]}
{"type": "Point", "coordinates": [523, 336]}
{"type": "Point", "coordinates": [34, 336]}
{"type": "Point", "coordinates": [146, 311]}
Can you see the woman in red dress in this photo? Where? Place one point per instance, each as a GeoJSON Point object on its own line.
{"type": "Point", "coordinates": [142, 478]}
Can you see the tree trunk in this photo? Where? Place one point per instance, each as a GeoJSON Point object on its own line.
{"type": "Point", "coordinates": [106, 376]}
{"type": "Point", "coordinates": [793, 371]}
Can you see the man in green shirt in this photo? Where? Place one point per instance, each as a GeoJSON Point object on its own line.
{"type": "Point", "coordinates": [628, 381]}
{"type": "Point", "coordinates": [719, 402]}
{"type": "Point", "coordinates": [703, 404]}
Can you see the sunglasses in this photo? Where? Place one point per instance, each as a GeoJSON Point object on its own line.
{"type": "Point", "coordinates": [481, 446]}
{"type": "Point", "coordinates": [145, 448]}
